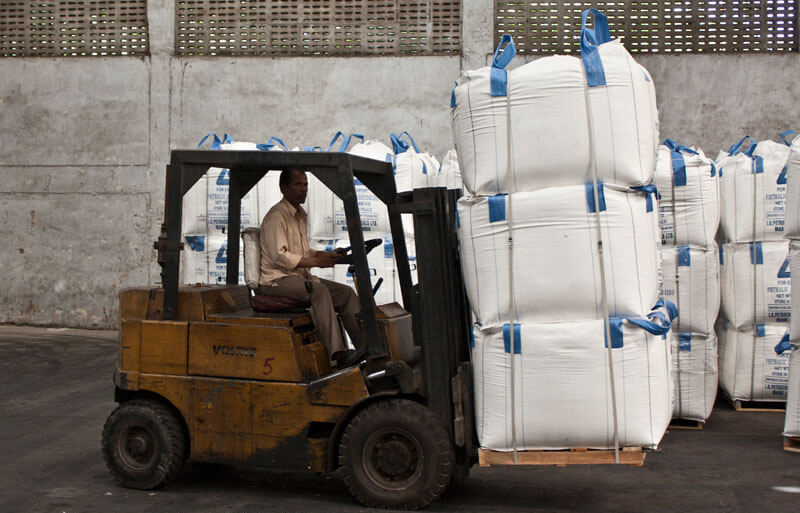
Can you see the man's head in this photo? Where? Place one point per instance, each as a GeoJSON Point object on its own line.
{"type": "Point", "coordinates": [294, 186]}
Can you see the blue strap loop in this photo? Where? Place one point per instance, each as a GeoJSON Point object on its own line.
{"type": "Point", "coordinates": [674, 146]}
{"type": "Point", "coordinates": [736, 148]}
{"type": "Point", "coordinates": [651, 191]}
{"type": "Point", "coordinates": [590, 40]}
{"type": "Point", "coordinates": [400, 146]}
{"type": "Point", "coordinates": [783, 137]}
{"type": "Point", "coordinates": [216, 142]}
{"type": "Point", "coordinates": [503, 54]}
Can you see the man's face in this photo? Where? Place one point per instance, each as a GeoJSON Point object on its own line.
{"type": "Point", "coordinates": [295, 193]}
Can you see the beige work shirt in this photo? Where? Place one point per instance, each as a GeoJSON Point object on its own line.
{"type": "Point", "coordinates": [284, 241]}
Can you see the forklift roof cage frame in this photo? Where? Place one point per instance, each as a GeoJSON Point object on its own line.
{"type": "Point", "coordinates": [336, 170]}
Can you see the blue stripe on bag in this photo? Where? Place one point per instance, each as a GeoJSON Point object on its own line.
{"type": "Point", "coordinates": [517, 338]}
{"type": "Point", "coordinates": [761, 330]}
{"type": "Point", "coordinates": [497, 208]}
{"type": "Point", "coordinates": [453, 98]}
{"type": "Point", "coordinates": [503, 54]}
{"type": "Point", "coordinates": [783, 137]}
{"type": "Point", "coordinates": [601, 197]}
{"type": "Point", "coordinates": [714, 170]}
{"type": "Point", "coordinates": [684, 256]}
{"type": "Point", "coordinates": [615, 332]}
{"type": "Point", "coordinates": [721, 260]}
{"type": "Point", "coordinates": [758, 165]}
{"type": "Point", "coordinates": [650, 190]}
{"type": "Point", "coordinates": [685, 342]}
{"type": "Point", "coordinates": [590, 40]}
{"type": "Point", "coordinates": [784, 345]}
{"type": "Point", "coordinates": [756, 253]}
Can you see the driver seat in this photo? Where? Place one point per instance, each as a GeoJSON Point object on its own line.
{"type": "Point", "coordinates": [252, 267]}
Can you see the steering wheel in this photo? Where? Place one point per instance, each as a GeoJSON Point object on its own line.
{"type": "Point", "coordinates": [347, 253]}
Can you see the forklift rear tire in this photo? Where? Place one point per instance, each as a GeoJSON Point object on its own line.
{"type": "Point", "coordinates": [144, 444]}
{"type": "Point", "coordinates": [396, 454]}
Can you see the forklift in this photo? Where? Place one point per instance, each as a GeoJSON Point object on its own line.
{"type": "Point", "coordinates": [202, 376]}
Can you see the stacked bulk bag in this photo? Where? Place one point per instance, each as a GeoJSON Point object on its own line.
{"type": "Point", "coordinates": [562, 272]}
{"type": "Point", "coordinates": [786, 347]}
{"type": "Point", "coordinates": [450, 172]}
{"type": "Point", "coordinates": [755, 270]}
{"type": "Point", "coordinates": [562, 368]}
{"type": "Point", "coordinates": [412, 169]}
{"type": "Point", "coordinates": [555, 231]}
{"type": "Point", "coordinates": [688, 184]}
{"type": "Point", "coordinates": [600, 111]}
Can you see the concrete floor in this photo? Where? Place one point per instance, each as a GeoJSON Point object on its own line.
{"type": "Point", "coordinates": [57, 391]}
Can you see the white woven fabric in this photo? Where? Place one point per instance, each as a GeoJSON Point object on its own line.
{"type": "Point", "coordinates": [749, 369]}
{"type": "Point", "coordinates": [561, 387]}
{"type": "Point", "coordinates": [551, 127]}
{"type": "Point", "coordinates": [688, 209]}
{"type": "Point", "coordinates": [691, 281]}
{"type": "Point", "coordinates": [556, 264]}
{"type": "Point", "coordinates": [753, 193]}
{"type": "Point", "coordinates": [694, 374]}
{"type": "Point", "coordinates": [756, 283]}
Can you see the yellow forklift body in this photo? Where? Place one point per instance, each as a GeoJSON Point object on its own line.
{"type": "Point", "coordinates": [251, 388]}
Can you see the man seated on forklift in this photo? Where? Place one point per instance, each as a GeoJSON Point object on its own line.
{"type": "Point", "coordinates": [286, 259]}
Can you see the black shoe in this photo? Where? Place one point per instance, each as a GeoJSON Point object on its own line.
{"type": "Point", "coordinates": [351, 357]}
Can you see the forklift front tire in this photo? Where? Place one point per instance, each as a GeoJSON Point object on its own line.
{"type": "Point", "coordinates": [396, 454]}
{"type": "Point", "coordinates": [144, 444]}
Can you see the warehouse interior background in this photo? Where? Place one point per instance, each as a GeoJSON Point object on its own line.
{"type": "Point", "coordinates": [85, 139]}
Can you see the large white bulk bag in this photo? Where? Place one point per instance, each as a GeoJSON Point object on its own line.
{"type": "Point", "coordinates": [756, 283]}
{"type": "Point", "coordinates": [412, 169]}
{"type": "Point", "coordinates": [194, 218]}
{"type": "Point", "coordinates": [688, 207]}
{"type": "Point", "coordinates": [327, 219]}
{"type": "Point", "coordinates": [749, 369]}
{"type": "Point", "coordinates": [269, 193]}
{"type": "Point", "coordinates": [556, 263]}
{"type": "Point", "coordinates": [694, 374]}
{"type": "Point", "coordinates": [450, 172]}
{"type": "Point", "coordinates": [217, 203]}
{"type": "Point", "coordinates": [373, 150]}
{"type": "Point", "coordinates": [792, 422]}
{"type": "Point", "coordinates": [194, 259]}
{"type": "Point", "coordinates": [217, 254]}
{"type": "Point", "coordinates": [794, 266]}
{"type": "Point", "coordinates": [561, 386]}
{"type": "Point", "coordinates": [691, 281]}
{"type": "Point", "coordinates": [564, 115]}
{"type": "Point", "coordinates": [793, 191]}
{"type": "Point", "coordinates": [753, 192]}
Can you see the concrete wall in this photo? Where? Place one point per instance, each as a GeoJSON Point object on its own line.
{"type": "Point", "coordinates": [84, 141]}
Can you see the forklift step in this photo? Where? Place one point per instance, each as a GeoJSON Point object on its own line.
{"type": "Point", "coordinates": [633, 456]}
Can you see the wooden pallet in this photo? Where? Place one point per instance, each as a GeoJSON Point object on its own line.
{"type": "Point", "coordinates": [694, 425]}
{"type": "Point", "coordinates": [791, 443]}
{"type": "Point", "coordinates": [633, 456]}
{"type": "Point", "coordinates": [769, 406]}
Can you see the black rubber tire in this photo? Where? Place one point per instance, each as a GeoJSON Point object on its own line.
{"type": "Point", "coordinates": [396, 454]}
{"type": "Point", "coordinates": [144, 444]}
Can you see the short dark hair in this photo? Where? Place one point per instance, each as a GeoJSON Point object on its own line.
{"type": "Point", "coordinates": [286, 176]}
